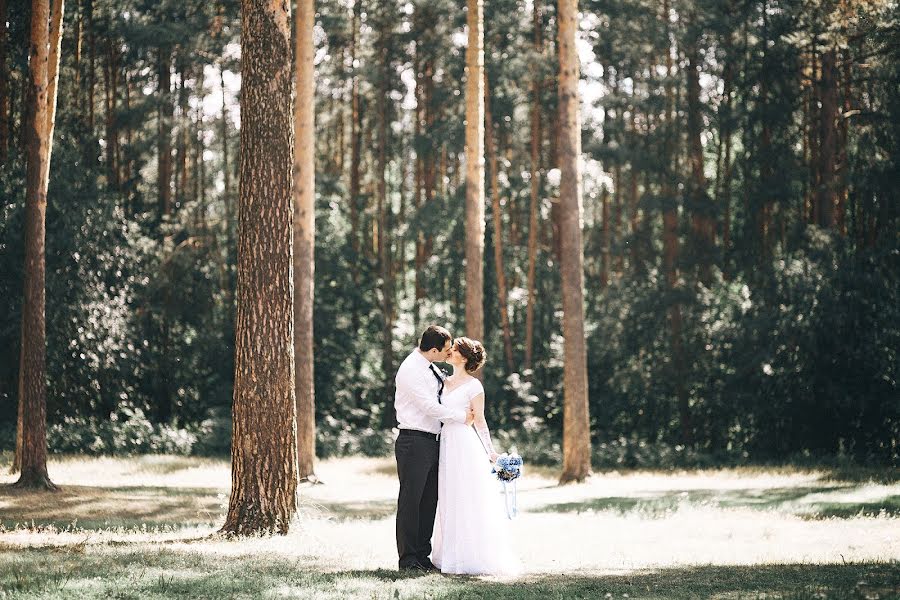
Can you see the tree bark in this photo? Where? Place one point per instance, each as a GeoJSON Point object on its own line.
{"type": "Point", "coordinates": [671, 246]}
{"type": "Point", "coordinates": [264, 440]}
{"type": "Point", "coordinates": [304, 236]}
{"type": "Point", "coordinates": [702, 222]}
{"type": "Point", "coordinates": [227, 282]}
{"type": "Point", "coordinates": [183, 150]}
{"type": "Point", "coordinates": [828, 116]}
{"type": "Point", "coordinates": [384, 223]}
{"type": "Point", "coordinates": [491, 153]}
{"type": "Point", "coordinates": [534, 204]}
{"type": "Point", "coordinates": [356, 124]}
{"type": "Point", "coordinates": [576, 418]}
{"type": "Point", "coordinates": [92, 62]}
{"type": "Point", "coordinates": [475, 171]}
{"type": "Point", "coordinates": [44, 71]}
{"type": "Point", "coordinates": [164, 132]}
{"type": "Point", "coordinates": [4, 87]}
{"type": "Point", "coordinates": [110, 76]}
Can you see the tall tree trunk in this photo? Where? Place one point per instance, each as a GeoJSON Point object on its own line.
{"type": "Point", "coordinates": [182, 176]}
{"type": "Point", "coordinates": [384, 222]}
{"type": "Point", "coordinates": [828, 116]}
{"type": "Point", "coordinates": [356, 123]}
{"type": "Point", "coordinates": [110, 73]}
{"type": "Point", "coordinates": [671, 247]}
{"type": "Point", "coordinates": [491, 153]}
{"type": "Point", "coordinates": [576, 418]}
{"type": "Point", "coordinates": [702, 221]}
{"type": "Point", "coordinates": [724, 167]}
{"type": "Point", "coordinates": [419, 183]}
{"type": "Point", "coordinates": [637, 258]}
{"type": "Point", "coordinates": [605, 239]}
{"type": "Point", "coordinates": [79, 37]}
{"type": "Point", "coordinates": [92, 62]}
{"type": "Point", "coordinates": [843, 189]}
{"type": "Point", "coordinates": [304, 236]}
{"type": "Point", "coordinates": [164, 132]}
{"type": "Point", "coordinates": [534, 204]}
{"type": "Point", "coordinates": [198, 169]}
{"type": "Point", "coordinates": [44, 72]}
{"type": "Point", "coordinates": [227, 200]}
{"type": "Point", "coordinates": [4, 87]}
{"type": "Point", "coordinates": [475, 171]}
{"type": "Point", "coordinates": [264, 439]}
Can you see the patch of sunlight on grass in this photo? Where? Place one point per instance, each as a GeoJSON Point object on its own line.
{"type": "Point", "coordinates": [133, 528]}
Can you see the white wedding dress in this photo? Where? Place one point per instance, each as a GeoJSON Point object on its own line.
{"type": "Point", "coordinates": [471, 529]}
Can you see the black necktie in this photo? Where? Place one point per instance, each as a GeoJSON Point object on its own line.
{"type": "Point", "coordinates": [440, 381]}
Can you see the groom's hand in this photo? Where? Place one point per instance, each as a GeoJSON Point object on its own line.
{"type": "Point", "coordinates": [470, 415]}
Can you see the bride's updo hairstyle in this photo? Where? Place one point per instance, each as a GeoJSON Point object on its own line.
{"type": "Point", "coordinates": [473, 352]}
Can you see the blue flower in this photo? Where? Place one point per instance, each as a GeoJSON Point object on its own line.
{"type": "Point", "coordinates": [508, 467]}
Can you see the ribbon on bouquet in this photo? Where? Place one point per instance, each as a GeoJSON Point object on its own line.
{"type": "Point", "coordinates": [512, 510]}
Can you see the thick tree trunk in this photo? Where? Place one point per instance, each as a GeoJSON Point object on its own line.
{"type": "Point", "coordinates": [576, 418]}
{"type": "Point", "coordinates": [4, 87]}
{"type": "Point", "coordinates": [534, 204]}
{"type": "Point", "coordinates": [164, 132]}
{"type": "Point", "coordinates": [491, 152]}
{"type": "Point", "coordinates": [43, 75]}
{"type": "Point", "coordinates": [264, 440]}
{"type": "Point", "coordinates": [475, 171]}
{"type": "Point", "coordinates": [304, 236]}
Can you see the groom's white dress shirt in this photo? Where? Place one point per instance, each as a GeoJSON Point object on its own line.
{"type": "Point", "coordinates": [416, 399]}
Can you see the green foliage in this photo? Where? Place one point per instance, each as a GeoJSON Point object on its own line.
{"type": "Point", "coordinates": [787, 349]}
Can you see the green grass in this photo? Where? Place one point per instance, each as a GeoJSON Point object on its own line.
{"type": "Point", "coordinates": [161, 573]}
{"type": "Point", "coordinates": [145, 528]}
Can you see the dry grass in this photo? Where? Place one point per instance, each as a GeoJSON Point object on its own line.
{"type": "Point", "coordinates": [143, 527]}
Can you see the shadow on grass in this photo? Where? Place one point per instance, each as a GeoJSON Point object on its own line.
{"type": "Point", "coordinates": [133, 507]}
{"type": "Point", "coordinates": [808, 502]}
{"type": "Point", "coordinates": [365, 510]}
{"type": "Point", "coordinates": [164, 573]}
{"type": "Point", "coordinates": [104, 507]}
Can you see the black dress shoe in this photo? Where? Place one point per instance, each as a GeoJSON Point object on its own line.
{"type": "Point", "coordinates": [413, 568]}
{"type": "Point", "coordinates": [428, 565]}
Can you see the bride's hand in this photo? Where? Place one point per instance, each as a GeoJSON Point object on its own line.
{"type": "Point", "coordinates": [494, 457]}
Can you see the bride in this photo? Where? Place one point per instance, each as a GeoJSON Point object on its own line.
{"type": "Point", "coordinates": [471, 530]}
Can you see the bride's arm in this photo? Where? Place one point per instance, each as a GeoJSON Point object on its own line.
{"type": "Point", "coordinates": [481, 427]}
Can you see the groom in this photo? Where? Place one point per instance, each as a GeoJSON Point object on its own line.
{"type": "Point", "coordinates": [419, 416]}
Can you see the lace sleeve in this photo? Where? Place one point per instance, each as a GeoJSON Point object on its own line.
{"type": "Point", "coordinates": [480, 424]}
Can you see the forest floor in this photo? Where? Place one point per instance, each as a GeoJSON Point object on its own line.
{"type": "Point", "coordinates": [145, 527]}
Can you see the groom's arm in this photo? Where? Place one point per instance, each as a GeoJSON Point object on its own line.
{"type": "Point", "coordinates": [425, 398]}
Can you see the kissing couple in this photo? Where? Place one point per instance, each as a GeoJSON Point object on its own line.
{"type": "Point", "coordinates": [450, 515]}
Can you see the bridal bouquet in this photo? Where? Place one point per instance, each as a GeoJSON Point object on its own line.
{"type": "Point", "coordinates": [508, 469]}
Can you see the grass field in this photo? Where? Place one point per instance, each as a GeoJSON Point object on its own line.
{"type": "Point", "coordinates": [145, 528]}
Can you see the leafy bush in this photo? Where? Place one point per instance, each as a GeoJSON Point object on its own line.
{"type": "Point", "coordinates": [128, 431]}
